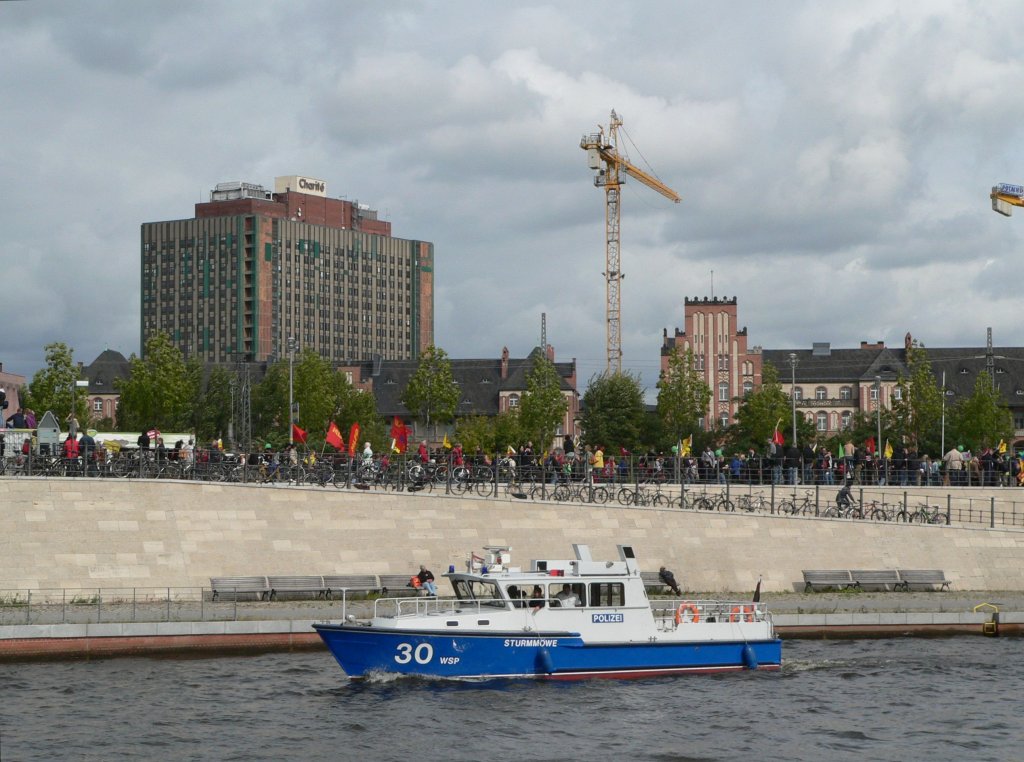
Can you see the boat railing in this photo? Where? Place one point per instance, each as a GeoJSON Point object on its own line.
{"type": "Point", "coordinates": [671, 613]}
{"type": "Point", "coordinates": [419, 606]}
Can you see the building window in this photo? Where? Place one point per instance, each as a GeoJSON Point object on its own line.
{"type": "Point", "coordinates": [97, 406]}
{"type": "Point", "coordinates": [897, 393]}
{"type": "Point", "coordinates": [798, 393]}
{"type": "Point", "coordinates": [723, 392]}
{"type": "Point", "coordinates": [874, 393]}
{"type": "Point", "coordinates": [748, 388]}
{"type": "Point", "coordinates": [822, 423]}
{"type": "Point", "coordinates": [513, 400]}
{"type": "Point", "coordinates": [821, 393]}
{"type": "Point", "coordinates": [723, 421]}
{"type": "Point", "coordinates": [846, 418]}
{"type": "Point", "coordinates": [845, 393]}
{"type": "Point", "coordinates": [723, 362]}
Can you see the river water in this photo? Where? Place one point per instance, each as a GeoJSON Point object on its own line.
{"type": "Point", "coordinates": [905, 699]}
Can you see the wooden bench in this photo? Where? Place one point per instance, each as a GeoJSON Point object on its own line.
{"type": "Point", "coordinates": [924, 578]}
{"type": "Point", "coordinates": [236, 585]}
{"type": "Point", "coordinates": [296, 584]}
{"type": "Point", "coordinates": [653, 582]}
{"type": "Point", "coordinates": [357, 583]}
{"type": "Point", "coordinates": [396, 585]}
{"type": "Point", "coordinates": [884, 579]}
{"type": "Point", "coordinates": [827, 578]}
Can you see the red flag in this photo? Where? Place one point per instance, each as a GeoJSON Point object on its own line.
{"type": "Point", "coordinates": [400, 434]}
{"type": "Point", "coordinates": [353, 439]}
{"type": "Point", "coordinates": [777, 437]}
{"type": "Point", "coordinates": [333, 437]}
{"type": "Point", "coordinates": [298, 434]}
{"type": "Point", "coordinates": [757, 591]}
{"type": "Point", "coordinates": [870, 445]}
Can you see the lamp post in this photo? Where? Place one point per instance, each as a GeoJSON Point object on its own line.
{"type": "Point", "coordinates": [792, 391]}
{"type": "Point", "coordinates": [291, 390]}
{"type": "Point", "coordinates": [878, 419]}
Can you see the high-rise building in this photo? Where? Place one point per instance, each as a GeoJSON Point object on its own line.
{"type": "Point", "coordinates": [256, 272]}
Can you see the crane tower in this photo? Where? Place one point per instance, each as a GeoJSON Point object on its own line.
{"type": "Point", "coordinates": [611, 168]}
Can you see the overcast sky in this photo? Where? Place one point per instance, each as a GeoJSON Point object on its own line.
{"type": "Point", "coordinates": [834, 159]}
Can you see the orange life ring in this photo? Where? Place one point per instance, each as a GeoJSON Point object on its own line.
{"type": "Point", "coordinates": [742, 614]}
{"type": "Point", "coordinates": [687, 606]}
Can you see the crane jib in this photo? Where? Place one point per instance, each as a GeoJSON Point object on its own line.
{"type": "Point", "coordinates": [1010, 190]}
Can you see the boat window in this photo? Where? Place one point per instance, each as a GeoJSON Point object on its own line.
{"type": "Point", "coordinates": [607, 594]}
{"type": "Point", "coordinates": [478, 590]}
{"type": "Point", "coordinates": [566, 595]}
{"type": "Point", "coordinates": [517, 595]}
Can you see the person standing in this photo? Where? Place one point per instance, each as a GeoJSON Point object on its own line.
{"type": "Point", "coordinates": [668, 579]}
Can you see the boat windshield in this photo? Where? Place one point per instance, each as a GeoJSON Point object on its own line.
{"type": "Point", "coordinates": [478, 590]}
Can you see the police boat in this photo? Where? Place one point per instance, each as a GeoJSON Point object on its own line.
{"type": "Point", "coordinates": [562, 620]}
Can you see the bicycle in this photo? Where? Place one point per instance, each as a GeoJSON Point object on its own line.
{"type": "Point", "coordinates": [928, 514]}
{"type": "Point", "coordinates": [805, 506]}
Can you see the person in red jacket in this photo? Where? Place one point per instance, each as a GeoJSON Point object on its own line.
{"type": "Point", "coordinates": [71, 448]}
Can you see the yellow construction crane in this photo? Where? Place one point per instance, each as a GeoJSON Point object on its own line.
{"type": "Point", "coordinates": [1005, 196]}
{"type": "Point", "coordinates": [611, 166]}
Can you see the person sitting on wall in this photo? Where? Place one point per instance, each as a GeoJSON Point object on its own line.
{"type": "Point", "coordinates": [426, 578]}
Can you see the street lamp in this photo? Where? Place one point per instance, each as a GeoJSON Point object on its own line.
{"type": "Point", "coordinates": [291, 390]}
{"type": "Point", "coordinates": [878, 419]}
{"type": "Point", "coordinates": [792, 392]}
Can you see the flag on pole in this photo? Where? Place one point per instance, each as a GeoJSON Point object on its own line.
{"type": "Point", "coordinates": [888, 450]}
{"type": "Point", "coordinates": [870, 445]}
{"type": "Point", "coordinates": [1002, 447]}
{"type": "Point", "coordinates": [353, 440]}
{"type": "Point", "coordinates": [757, 591]}
{"type": "Point", "coordinates": [840, 452]}
{"type": "Point", "coordinates": [446, 444]}
{"type": "Point", "coordinates": [777, 437]}
{"type": "Point", "coordinates": [399, 435]}
{"type": "Point", "coordinates": [687, 446]}
{"type": "Point", "coordinates": [334, 437]}
{"type": "Point", "coordinates": [298, 434]}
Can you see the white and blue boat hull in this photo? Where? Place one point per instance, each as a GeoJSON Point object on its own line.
{"type": "Point", "coordinates": [362, 651]}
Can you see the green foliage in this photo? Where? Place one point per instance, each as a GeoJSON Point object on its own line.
{"type": "Point", "coordinates": [491, 434]}
{"type": "Point", "coordinates": [432, 394]}
{"type": "Point", "coordinates": [982, 419]}
{"type": "Point", "coordinates": [683, 396]}
{"type": "Point", "coordinates": [917, 415]}
{"type": "Point", "coordinates": [761, 410]}
{"type": "Point", "coordinates": [322, 395]}
{"type": "Point", "coordinates": [543, 406]}
{"type": "Point", "coordinates": [613, 411]}
{"type": "Point", "coordinates": [159, 392]}
{"type": "Point", "coordinates": [211, 414]}
{"type": "Point", "coordinates": [53, 387]}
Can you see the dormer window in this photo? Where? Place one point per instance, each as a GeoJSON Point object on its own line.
{"type": "Point", "coordinates": [964, 371]}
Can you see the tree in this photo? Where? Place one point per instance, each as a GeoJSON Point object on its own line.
{"type": "Point", "coordinates": [917, 415]}
{"type": "Point", "coordinates": [321, 394]}
{"type": "Point", "coordinates": [543, 406]}
{"type": "Point", "coordinates": [613, 410]}
{"type": "Point", "coordinates": [211, 415]}
{"type": "Point", "coordinates": [763, 409]}
{"type": "Point", "coordinates": [683, 396]}
{"type": "Point", "coordinates": [53, 387]}
{"type": "Point", "coordinates": [982, 419]}
{"type": "Point", "coordinates": [159, 391]}
{"type": "Point", "coordinates": [432, 394]}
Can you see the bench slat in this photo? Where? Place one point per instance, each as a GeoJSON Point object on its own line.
{"type": "Point", "coordinates": [924, 578]}
{"type": "Point", "coordinates": [221, 585]}
{"type": "Point", "coordinates": [876, 577]}
{"type": "Point", "coordinates": [295, 584]}
{"type": "Point", "coordinates": [826, 578]}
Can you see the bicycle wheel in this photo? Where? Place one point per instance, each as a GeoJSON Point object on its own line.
{"type": "Point", "coordinates": [600, 495]}
{"type": "Point", "coordinates": [703, 504]}
{"type": "Point", "coordinates": [484, 489]}
{"type": "Point", "coordinates": [879, 515]}
{"type": "Point", "coordinates": [725, 504]}
{"type": "Point", "coordinates": [787, 506]}
{"type": "Point", "coordinates": [561, 493]}
{"type": "Point", "coordinates": [625, 496]}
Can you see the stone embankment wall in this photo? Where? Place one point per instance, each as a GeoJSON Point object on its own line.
{"type": "Point", "coordinates": [82, 533]}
